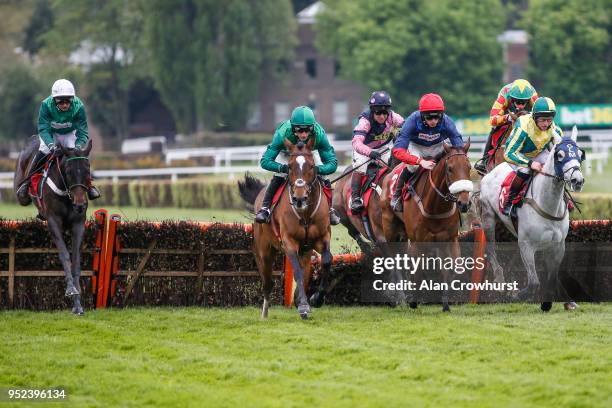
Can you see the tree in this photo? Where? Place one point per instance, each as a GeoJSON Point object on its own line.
{"type": "Point", "coordinates": [207, 57]}
{"type": "Point", "coordinates": [19, 103]}
{"type": "Point", "coordinates": [571, 49]}
{"type": "Point", "coordinates": [410, 47]}
{"type": "Point", "coordinates": [105, 38]}
{"type": "Point", "coordinates": [40, 23]}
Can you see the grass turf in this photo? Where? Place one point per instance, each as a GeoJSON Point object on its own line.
{"type": "Point", "coordinates": [485, 355]}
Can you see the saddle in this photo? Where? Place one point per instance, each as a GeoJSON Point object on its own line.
{"type": "Point", "coordinates": [409, 186]}
{"type": "Point", "coordinates": [369, 184]}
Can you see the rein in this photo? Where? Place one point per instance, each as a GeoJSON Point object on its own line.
{"type": "Point", "coordinates": [534, 204]}
{"type": "Point", "coordinates": [448, 197]}
{"type": "Point", "coordinates": [69, 189]}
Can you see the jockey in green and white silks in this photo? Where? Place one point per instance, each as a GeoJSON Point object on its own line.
{"type": "Point", "coordinates": [529, 144]}
{"type": "Point", "coordinates": [302, 126]}
{"type": "Point", "coordinates": [61, 121]}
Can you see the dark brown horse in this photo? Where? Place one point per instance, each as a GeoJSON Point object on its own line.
{"type": "Point", "coordinates": [63, 202]}
{"type": "Point", "coordinates": [299, 225]}
{"type": "Point", "coordinates": [369, 224]}
{"type": "Point", "coordinates": [432, 212]}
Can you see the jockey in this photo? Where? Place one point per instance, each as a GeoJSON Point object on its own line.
{"type": "Point", "coordinates": [421, 140]}
{"type": "Point", "coordinates": [513, 101]}
{"type": "Point", "coordinates": [529, 145]}
{"type": "Point", "coordinates": [375, 131]}
{"type": "Point", "coordinates": [301, 126]}
{"type": "Point", "coordinates": [61, 120]}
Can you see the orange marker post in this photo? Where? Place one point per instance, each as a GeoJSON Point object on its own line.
{"type": "Point", "coordinates": [480, 243]}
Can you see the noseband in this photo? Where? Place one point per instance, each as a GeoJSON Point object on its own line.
{"type": "Point", "coordinates": [448, 197]}
{"type": "Point", "coordinates": [72, 186]}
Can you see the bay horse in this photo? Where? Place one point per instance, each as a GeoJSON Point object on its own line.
{"type": "Point", "coordinates": [498, 154]}
{"type": "Point", "coordinates": [299, 225]}
{"type": "Point", "coordinates": [543, 221]}
{"type": "Point", "coordinates": [62, 200]}
{"type": "Point", "coordinates": [432, 212]}
{"type": "Point", "coordinates": [355, 223]}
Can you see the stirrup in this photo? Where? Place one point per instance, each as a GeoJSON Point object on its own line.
{"type": "Point", "coordinates": [481, 165]}
{"type": "Point", "coordinates": [263, 215]}
{"type": "Point", "coordinates": [356, 204]}
{"type": "Point", "coordinates": [333, 217]}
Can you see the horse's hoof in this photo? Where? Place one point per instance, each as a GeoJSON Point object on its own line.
{"type": "Point", "coordinates": [570, 305]}
{"type": "Point", "coordinates": [72, 292]}
{"type": "Point", "coordinates": [413, 305]}
{"type": "Point", "coordinates": [317, 299]}
{"type": "Point", "coordinates": [546, 306]}
{"type": "Point", "coordinates": [304, 316]}
{"type": "Point", "coordinates": [78, 311]}
{"type": "Point", "coordinates": [445, 308]}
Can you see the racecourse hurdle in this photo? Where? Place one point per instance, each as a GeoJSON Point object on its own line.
{"type": "Point", "coordinates": [117, 271]}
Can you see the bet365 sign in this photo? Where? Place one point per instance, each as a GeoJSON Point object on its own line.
{"type": "Point", "coordinates": [567, 116]}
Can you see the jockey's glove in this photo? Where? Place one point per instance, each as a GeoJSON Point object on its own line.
{"type": "Point", "coordinates": [52, 147]}
{"type": "Point", "coordinates": [374, 155]}
{"type": "Point", "coordinates": [283, 169]}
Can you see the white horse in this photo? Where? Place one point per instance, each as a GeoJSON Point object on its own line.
{"type": "Point", "coordinates": [543, 220]}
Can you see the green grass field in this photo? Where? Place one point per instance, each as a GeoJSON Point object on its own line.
{"type": "Point", "coordinates": [485, 355]}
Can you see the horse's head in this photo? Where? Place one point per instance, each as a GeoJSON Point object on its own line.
{"type": "Point", "coordinates": [75, 169]}
{"type": "Point", "coordinates": [457, 172]}
{"type": "Point", "coordinates": [567, 158]}
{"type": "Point", "coordinates": [302, 172]}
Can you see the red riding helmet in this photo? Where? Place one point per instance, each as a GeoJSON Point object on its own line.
{"type": "Point", "coordinates": [431, 102]}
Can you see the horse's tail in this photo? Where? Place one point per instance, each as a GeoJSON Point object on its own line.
{"type": "Point", "coordinates": [249, 189]}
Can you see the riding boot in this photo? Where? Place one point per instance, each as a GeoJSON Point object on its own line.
{"type": "Point", "coordinates": [23, 195]}
{"type": "Point", "coordinates": [481, 165]}
{"type": "Point", "coordinates": [396, 201]}
{"type": "Point", "coordinates": [515, 188]}
{"type": "Point", "coordinates": [334, 219]}
{"type": "Point", "coordinates": [93, 193]}
{"type": "Point", "coordinates": [356, 200]}
{"type": "Point", "coordinates": [263, 215]}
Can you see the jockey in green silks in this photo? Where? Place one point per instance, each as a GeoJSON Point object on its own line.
{"type": "Point", "coordinates": [301, 127]}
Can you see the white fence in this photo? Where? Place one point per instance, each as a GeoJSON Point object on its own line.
{"type": "Point", "coordinates": [237, 160]}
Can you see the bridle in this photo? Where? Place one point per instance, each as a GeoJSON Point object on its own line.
{"type": "Point", "coordinates": [448, 197]}
{"type": "Point", "coordinates": [300, 183]}
{"type": "Point", "coordinates": [69, 188]}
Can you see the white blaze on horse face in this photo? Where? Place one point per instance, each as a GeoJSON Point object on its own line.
{"type": "Point", "coordinates": [301, 160]}
{"type": "Point", "coordinates": [461, 185]}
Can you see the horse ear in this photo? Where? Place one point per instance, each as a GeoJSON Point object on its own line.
{"type": "Point", "coordinates": [88, 148]}
{"type": "Point", "coordinates": [310, 143]}
{"type": "Point", "coordinates": [288, 144]}
{"type": "Point", "coordinates": [466, 146]}
{"type": "Point", "coordinates": [574, 133]}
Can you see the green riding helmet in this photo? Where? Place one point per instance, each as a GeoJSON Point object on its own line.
{"type": "Point", "coordinates": [521, 89]}
{"type": "Point", "coordinates": [302, 115]}
{"type": "Point", "coordinates": [544, 107]}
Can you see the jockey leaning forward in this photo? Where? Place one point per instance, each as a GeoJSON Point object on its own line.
{"type": "Point", "coordinates": [302, 126]}
{"type": "Point", "coordinates": [376, 131]}
{"type": "Point", "coordinates": [513, 101]}
{"type": "Point", "coordinates": [529, 145]}
{"type": "Point", "coordinates": [421, 141]}
{"type": "Point", "coordinates": [62, 121]}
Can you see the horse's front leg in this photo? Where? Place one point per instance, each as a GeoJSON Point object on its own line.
{"type": "Point", "coordinates": [77, 239]}
{"type": "Point", "coordinates": [291, 250]}
{"type": "Point", "coordinates": [552, 261]}
{"type": "Point", "coordinates": [55, 228]}
{"type": "Point", "coordinates": [528, 257]}
{"type": "Point", "coordinates": [322, 247]}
